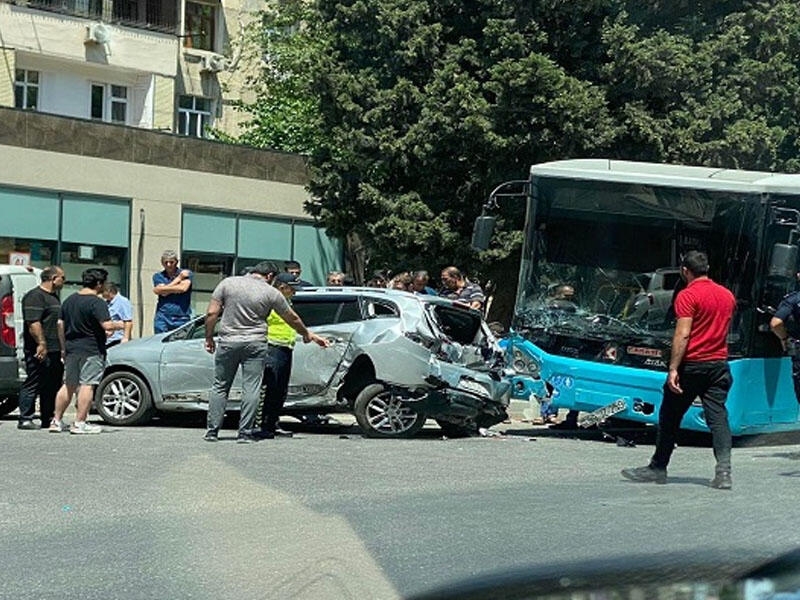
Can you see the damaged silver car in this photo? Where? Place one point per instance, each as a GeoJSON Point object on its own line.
{"type": "Point", "coordinates": [396, 360]}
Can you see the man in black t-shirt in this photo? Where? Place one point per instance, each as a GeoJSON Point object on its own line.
{"type": "Point", "coordinates": [86, 321]}
{"type": "Point", "coordinates": [44, 348]}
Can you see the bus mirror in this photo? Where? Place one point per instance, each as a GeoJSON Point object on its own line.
{"type": "Point", "coordinates": [783, 261]}
{"type": "Point", "coordinates": [482, 232]}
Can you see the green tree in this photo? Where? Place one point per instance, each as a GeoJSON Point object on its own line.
{"type": "Point", "coordinates": [412, 111]}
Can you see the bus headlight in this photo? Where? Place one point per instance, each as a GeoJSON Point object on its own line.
{"type": "Point", "coordinates": [525, 364]}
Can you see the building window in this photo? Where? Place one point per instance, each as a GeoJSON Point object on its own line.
{"type": "Point", "coordinates": [200, 22]}
{"type": "Point", "coordinates": [194, 115]}
{"type": "Point", "coordinates": [26, 89]}
{"type": "Point", "coordinates": [81, 8]}
{"type": "Point", "coordinates": [109, 103]}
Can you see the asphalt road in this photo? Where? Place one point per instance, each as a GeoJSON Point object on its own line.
{"type": "Point", "coordinates": [155, 512]}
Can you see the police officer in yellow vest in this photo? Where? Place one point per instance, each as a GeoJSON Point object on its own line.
{"type": "Point", "coordinates": [281, 339]}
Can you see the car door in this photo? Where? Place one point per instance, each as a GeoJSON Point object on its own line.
{"type": "Point", "coordinates": [314, 368]}
{"type": "Point", "coordinates": [186, 370]}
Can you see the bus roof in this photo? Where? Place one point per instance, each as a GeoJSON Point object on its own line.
{"type": "Point", "coordinates": [623, 171]}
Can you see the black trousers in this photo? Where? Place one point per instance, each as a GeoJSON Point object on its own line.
{"type": "Point", "coordinates": [44, 379]}
{"type": "Point", "coordinates": [276, 385]}
{"type": "Point", "coordinates": [711, 382]}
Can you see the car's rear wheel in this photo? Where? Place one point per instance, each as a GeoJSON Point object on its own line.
{"type": "Point", "coordinates": [123, 398]}
{"type": "Point", "coordinates": [380, 413]}
{"type": "Point", "coordinates": [8, 403]}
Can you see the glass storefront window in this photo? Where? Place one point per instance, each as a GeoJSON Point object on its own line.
{"type": "Point", "coordinates": [76, 258]}
{"type": "Point", "coordinates": [208, 270]}
{"type": "Point", "coordinates": [39, 253]}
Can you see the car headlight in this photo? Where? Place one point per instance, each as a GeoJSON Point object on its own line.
{"type": "Point", "coordinates": [473, 387]}
{"type": "Point", "coordinates": [525, 364]}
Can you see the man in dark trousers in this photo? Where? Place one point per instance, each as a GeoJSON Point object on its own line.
{"type": "Point", "coordinates": [44, 349]}
{"type": "Point", "coordinates": [786, 325]}
{"type": "Point", "coordinates": [698, 366]}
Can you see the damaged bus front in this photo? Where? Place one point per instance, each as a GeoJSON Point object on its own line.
{"type": "Point", "coordinates": [593, 321]}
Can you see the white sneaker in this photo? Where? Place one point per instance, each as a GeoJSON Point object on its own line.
{"type": "Point", "coordinates": [57, 426]}
{"type": "Point", "coordinates": [82, 427]}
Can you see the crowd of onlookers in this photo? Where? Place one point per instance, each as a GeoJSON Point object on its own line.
{"type": "Point", "coordinates": [454, 284]}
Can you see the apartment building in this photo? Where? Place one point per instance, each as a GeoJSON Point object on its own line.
{"type": "Point", "coordinates": [168, 65]}
{"type": "Point", "coordinates": [104, 105]}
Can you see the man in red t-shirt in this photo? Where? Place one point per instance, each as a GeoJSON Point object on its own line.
{"type": "Point", "coordinates": [698, 366]}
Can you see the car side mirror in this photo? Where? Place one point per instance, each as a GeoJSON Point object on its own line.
{"type": "Point", "coordinates": [783, 261]}
{"type": "Point", "coordinates": [482, 232]}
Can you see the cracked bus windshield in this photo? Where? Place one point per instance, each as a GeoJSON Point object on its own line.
{"type": "Point", "coordinates": [600, 265]}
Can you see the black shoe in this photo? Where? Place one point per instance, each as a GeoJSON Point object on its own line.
{"type": "Point", "coordinates": [28, 425]}
{"type": "Point", "coordinates": [278, 432]}
{"type": "Point", "coordinates": [211, 435]}
{"type": "Point", "coordinates": [722, 481]}
{"type": "Point", "coordinates": [263, 434]}
{"type": "Point", "coordinates": [245, 438]}
{"type": "Point", "coordinates": [646, 474]}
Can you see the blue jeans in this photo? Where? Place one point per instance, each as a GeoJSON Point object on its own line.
{"type": "Point", "coordinates": [228, 357]}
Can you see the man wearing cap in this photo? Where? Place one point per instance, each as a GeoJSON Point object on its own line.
{"type": "Point", "coordinates": [247, 300]}
{"type": "Point", "coordinates": [281, 338]}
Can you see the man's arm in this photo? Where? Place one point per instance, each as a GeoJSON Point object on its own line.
{"type": "Point", "coordinates": [110, 326]}
{"type": "Point", "coordinates": [182, 283]}
{"type": "Point", "coordinates": [212, 316]}
{"type": "Point", "coordinates": [295, 322]}
{"type": "Point", "coordinates": [680, 341]}
{"type": "Point", "coordinates": [127, 331]}
{"type": "Point", "coordinates": [62, 339]}
{"type": "Point", "coordinates": [778, 327]}
{"type": "Point", "coordinates": [36, 331]}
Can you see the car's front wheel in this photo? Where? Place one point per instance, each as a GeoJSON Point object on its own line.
{"type": "Point", "coordinates": [123, 398]}
{"type": "Point", "coordinates": [380, 413]}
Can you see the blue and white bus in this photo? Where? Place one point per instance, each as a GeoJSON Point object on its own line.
{"type": "Point", "coordinates": [593, 324]}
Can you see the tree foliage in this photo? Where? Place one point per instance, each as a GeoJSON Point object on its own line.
{"type": "Point", "coordinates": [418, 108]}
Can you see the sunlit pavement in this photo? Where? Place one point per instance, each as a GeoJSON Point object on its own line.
{"type": "Point", "coordinates": [156, 512]}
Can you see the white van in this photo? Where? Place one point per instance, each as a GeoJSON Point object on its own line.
{"type": "Point", "coordinates": [14, 283]}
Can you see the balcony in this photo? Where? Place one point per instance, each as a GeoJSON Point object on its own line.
{"type": "Point", "coordinates": [155, 15]}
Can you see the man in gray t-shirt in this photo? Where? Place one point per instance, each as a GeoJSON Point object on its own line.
{"type": "Point", "coordinates": [244, 302]}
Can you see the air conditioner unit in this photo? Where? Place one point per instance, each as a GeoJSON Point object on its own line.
{"type": "Point", "coordinates": [212, 63]}
{"type": "Point", "coordinates": [97, 33]}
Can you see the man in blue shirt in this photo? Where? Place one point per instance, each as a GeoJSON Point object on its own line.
{"type": "Point", "coordinates": [173, 286]}
{"type": "Point", "coordinates": [120, 309]}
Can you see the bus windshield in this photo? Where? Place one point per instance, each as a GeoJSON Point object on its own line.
{"type": "Point", "coordinates": [600, 264]}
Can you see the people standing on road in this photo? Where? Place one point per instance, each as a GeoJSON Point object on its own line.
{"type": "Point", "coordinates": [785, 324]}
{"type": "Point", "coordinates": [293, 268]}
{"type": "Point", "coordinates": [43, 346]}
{"type": "Point", "coordinates": [86, 324]}
{"type": "Point", "coordinates": [244, 302]}
{"type": "Point", "coordinates": [281, 338]}
{"type": "Point", "coordinates": [173, 286]}
{"type": "Point", "coordinates": [698, 366]}
{"type": "Point", "coordinates": [120, 309]}
{"type": "Point", "coordinates": [458, 288]}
